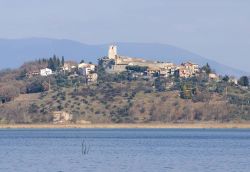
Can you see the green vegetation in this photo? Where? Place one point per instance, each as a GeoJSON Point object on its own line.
{"type": "Point", "coordinates": [137, 68]}
{"type": "Point", "coordinates": [54, 63]}
{"type": "Point", "coordinates": [243, 81]}
{"type": "Point", "coordinates": [207, 69]}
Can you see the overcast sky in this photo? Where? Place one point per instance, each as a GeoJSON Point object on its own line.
{"type": "Point", "coordinates": [216, 29]}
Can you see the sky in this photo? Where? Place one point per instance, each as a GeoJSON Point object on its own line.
{"type": "Point", "coordinates": [215, 29]}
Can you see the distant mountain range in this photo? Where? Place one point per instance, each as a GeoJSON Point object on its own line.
{"type": "Point", "coordinates": [14, 52]}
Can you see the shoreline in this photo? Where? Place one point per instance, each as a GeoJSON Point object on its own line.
{"type": "Point", "coordinates": [203, 125]}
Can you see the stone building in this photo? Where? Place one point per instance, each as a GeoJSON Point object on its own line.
{"type": "Point", "coordinates": [213, 76]}
{"type": "Point", "coordinates": [115, 63]}
{"type": "Point", "coordinates": [61, 117]}
{"type": "Point", "coordinates": [186, 70]}
{"type": "Point", "coordinates": [88, 71]}
{"type": "Point", "coordinates": [112, 54]}
{"type": "Point", "coordinates": [69, 65]}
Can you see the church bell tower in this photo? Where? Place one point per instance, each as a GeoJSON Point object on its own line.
{"type": "Point", "coordinates": [112, 52]}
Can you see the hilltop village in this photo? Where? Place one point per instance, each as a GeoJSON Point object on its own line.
{"type": "Point", "coordinates": [120, 89]}
{"type": "Point", "coordinates": [114, 63]}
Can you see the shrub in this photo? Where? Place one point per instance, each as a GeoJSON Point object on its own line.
{"type": "Point", "coordinates": [33, 108]}
{"type": "Point", "coordinates": [243, 81]}
{"type": "Point", "coordinates": [142, 110]}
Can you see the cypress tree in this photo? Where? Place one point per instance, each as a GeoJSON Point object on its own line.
{"type": "Point", "coordinates": [62, 61]}
{"type": "Point", "coordinates": [58, 63]}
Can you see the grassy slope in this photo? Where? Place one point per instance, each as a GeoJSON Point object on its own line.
{"type": "Point", "coordinates": [125, 102]}
{"type": "Point", "coordinates": [128, 102]}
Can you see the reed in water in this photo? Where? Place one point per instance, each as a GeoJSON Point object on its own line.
{"type": "Point", "coordinates": [85, 147]}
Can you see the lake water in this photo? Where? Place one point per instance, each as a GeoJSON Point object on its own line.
{"type": "Point", "coordinates": [128, 150]}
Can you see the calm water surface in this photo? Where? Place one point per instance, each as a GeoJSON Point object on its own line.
{"type": "Point", "coordinates": [114, 150]}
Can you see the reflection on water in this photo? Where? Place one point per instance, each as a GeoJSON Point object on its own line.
{"type": "Point", "coordinates": [148, 150]}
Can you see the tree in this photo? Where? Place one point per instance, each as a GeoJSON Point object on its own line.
{"type": "Point", "coordinates": [186, 92]}
{"type": "Point", "coordinates": [54, 63]}
{"type": "Point", "coordinates": [160, 84]}
{"type": "Point", "coordinates": [58, 63]}
{"type": "Point", "coordinates": [51, 64]}
{"type": "Point", "coordinates": [8, 92]}
{"type": "Point", "coordinates": [101, 72]}
{"type": "Point", "coordinates": [243, 81]}
{"type": "Point", "coordinates": [33, 108]}
{"type": "Point", "coordinates": [62, 61]}
{"type": "Point", "coordinates": [82, 61]}
{"type": "Point", "coordinates": [225, 78]}
{"type": "Point", "coordinates": [137, 68]}
{"type": "Point", "coordinates": [22, 74]}
{"type": "Point", "coordinates": [207, 69]}
{"type": "Point", "coordinates": [37, 85]}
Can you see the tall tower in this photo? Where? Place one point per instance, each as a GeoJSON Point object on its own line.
{"type": "Point", "coordinates": [112, 52]}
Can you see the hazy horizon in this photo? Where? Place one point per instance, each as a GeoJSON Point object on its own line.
{"type": "Point", "coordinates": [218, 30]}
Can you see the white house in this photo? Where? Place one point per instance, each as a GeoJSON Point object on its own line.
{"type": "Point", "coordinates": [233, 80]}
{"type": "Point", "coordinates": [213, 76]}
{"type": "Point", "coordinates": [69, 65]}
{"type": "Point", "coordinates": [86, 65]}
{"type": "Point", "coordinates": [46, 72]}
{"type": "Point", "coordinates": [86, 69]}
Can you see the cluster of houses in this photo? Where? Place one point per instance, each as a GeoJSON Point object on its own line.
{"type": "Point", "coordinates": [82, 69]}
{"type": "Point", "coordinates": [114, 63]}
{"type": "Point", "coordinates": [86, 70]}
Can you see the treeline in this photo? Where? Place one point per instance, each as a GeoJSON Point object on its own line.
{"type": "Point", "coordinates": [54, 63]}
{"type": "Point", "coordinates": [137, 68]}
